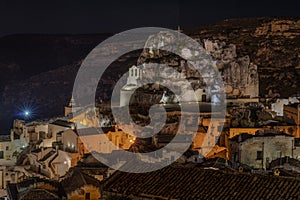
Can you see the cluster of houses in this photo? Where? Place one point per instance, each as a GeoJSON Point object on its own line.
{"type": "Point", "coordinates": [47, 150]}
{"type": "Point", "coordinates": [46, 154]}
{"type": "Point", "coordinates": [53, 159]}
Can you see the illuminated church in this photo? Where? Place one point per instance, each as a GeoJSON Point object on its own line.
{"type": "Point", "coordinates": [133, 82]}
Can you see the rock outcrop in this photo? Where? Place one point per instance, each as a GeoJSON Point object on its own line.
{"type": "Point", "coordinates": [271, 43]}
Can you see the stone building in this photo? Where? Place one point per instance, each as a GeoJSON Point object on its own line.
{"type": "Point", "coordinates": [50, 162]}
{"type": "Point", "coordinates": [72, 107]}
{"type": "Point", "coordinates": [111, 139]}
{"type": "Point", "coordinates": [75, 185]}
{"type": "Point", "coordinates": [35, 188]}
{"type": "Point", "coordinates": [10, 175]}
{"type": "Point", "coordinates": [10, 147]}
{"type": "Point", "coordinates": [53, 134]}
{"type": "Point", "coordinates": [132, 84]}
{"type": "Point", "coordinates": [257, 151]}
{"type": "Point", "coordinates": [85, 117]}
{"type": "Point", "coordinates": [80, 186]}
{"type": "Point", "coordinates": [234, 131]}
{"type": "Point", "coordinates": [292, 112]}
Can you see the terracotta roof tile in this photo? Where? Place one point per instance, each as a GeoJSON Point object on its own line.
{"type": "Point", "coordinates": [76, 179]}
{"type": "Point", "coordinates": [195, 183]}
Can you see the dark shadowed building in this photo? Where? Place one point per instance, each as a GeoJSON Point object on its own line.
{"type": "Point", "coordinates": [78, 185]}
{"type": "Point", "coordinates": [35, 188]}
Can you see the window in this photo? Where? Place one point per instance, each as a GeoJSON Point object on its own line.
{"type": "Point", "coordinates": [259, 155]}
{"type": "Point", "coordinates": [6, 148]}
{"type": "Point", "coordinates": [1, 155]}
{"type": "Point", "coordinates": [42, 135]}
{"type": "Point", "coordinates": [87, 196]}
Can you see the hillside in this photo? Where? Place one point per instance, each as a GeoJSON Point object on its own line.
{"type": "Point", "coordinates": [273, 44]}
{"type": "Point", "coordinates": [41, 68]}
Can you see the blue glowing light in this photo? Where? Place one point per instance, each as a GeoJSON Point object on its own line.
{"type": "Point", "coordinates": [26, 113]}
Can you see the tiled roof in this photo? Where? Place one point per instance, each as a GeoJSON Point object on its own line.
{"type": "Point", "coordinates": [139, 147]}
{"type": "Point", "coordinates": [94, 130]}
{"type": "Point", "coordinates": [31, 181]}
{"type": "Point", "coordinates": [12, 191]}
{"type": "Point", "coordinates": [4, 138]}
{"type": "Point", "coordinates": [294, 105]}
{"type": "Point", "coordinates": [89, 160]}
{"type": "Point", "coordinates": [94, 170]}
{"type": "Point", "coordinates": [244, 136]}
{"type": "Point", "coordinates": [30, 189]}
{"type": "Point", "coordinates": [37, 194]}
{"type": "Point", "coordinates": [76, 179]}
{"type": "Point", "coordinates": [285, 160]}
{"type": "Point", "coordinates": [63, 123]}
{"type": "Point", "coordinates": [195, 183]}
{"type": "Point", "coordinates": [180, 138]}
{"type": "Point", "coordinates": [48, 155]}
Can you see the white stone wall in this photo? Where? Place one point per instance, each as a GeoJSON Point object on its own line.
{"type": "Point", "coordinates": [273, 147]}
{"type": "Point", "coordinates": [62, 163]}
{"type": "Point", "coordinates": [278, 106]}
{"type": "Point", "coordinates": [69, 140]}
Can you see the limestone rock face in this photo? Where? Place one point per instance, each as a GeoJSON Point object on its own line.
{"type": "Point", "coordinates": [174, 69]}
{"type": "Point", "coordinates": [272, 43]}
{"type": "Point", "coordinates": [240, 76]}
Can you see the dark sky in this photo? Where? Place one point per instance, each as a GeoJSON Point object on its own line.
{"type": "Point", "coordinates": [96, 16]}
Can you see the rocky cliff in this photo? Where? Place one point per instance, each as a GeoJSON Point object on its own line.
{"type": "Point", "coordinates": [42, 68]}
{"type": "Point", "coordinates": [271, 43]}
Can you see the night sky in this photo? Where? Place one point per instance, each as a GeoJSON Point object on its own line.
{"type": "Point", "coordinates": [91, 16]}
